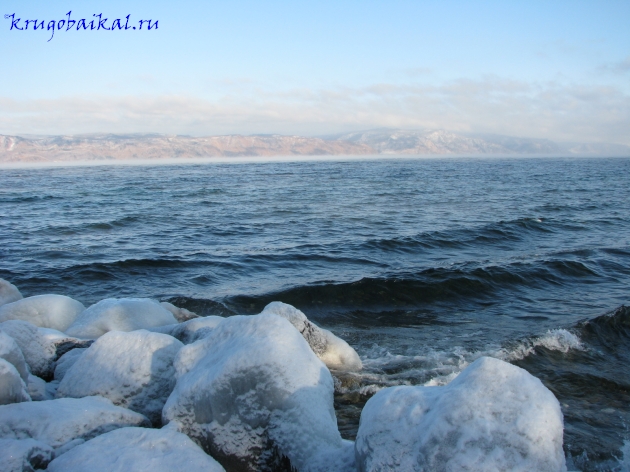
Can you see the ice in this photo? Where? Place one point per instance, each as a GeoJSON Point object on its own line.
{"type": "Point", "coordinates": [36, 388]}
{"type": "Point", "coordinates": [65, 422]}
{"type": "Point", "coordinates": [133, 370]}
{"type": "Point", "coordinates": [335, 352]}
{"type": "Point", "coordinates": [12, 387]}
{"type": "Point", "coordinates": [120, 314]}
{"type": "Point", "coordinates": [8, 292]}
{"type": "Point", "coordinates": [38, 352]}
{"type": "Point", "coordinates": [66, 361]}
{"type": "Point", "coordinates": [11, 352]}
{"type": "Point", "coordinates": [493, 416]}
{"type": "Point", "coordinates": [47, 311]}
{"type": "Point", "coordinates": [136, 449]}
{"type": "Point", "coordinates": [180, 314]}
{"type": "Point", "coordinates": [191, 330]}
{"type": "Point", "coordinates": [24, 455]}
{"type": "Point", "coordinates": [61, 342]}
{"type": "Point", "coordinates": [252, 393]}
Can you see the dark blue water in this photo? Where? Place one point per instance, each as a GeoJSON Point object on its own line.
{"type": "Point", "coordinates": [421, 264]}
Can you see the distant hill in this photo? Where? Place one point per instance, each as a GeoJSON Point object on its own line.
{"type": "Point", "coordinates": [379, 141]}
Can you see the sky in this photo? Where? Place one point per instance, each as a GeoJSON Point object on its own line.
{"type": "Point", "coordinates": [543, 69]}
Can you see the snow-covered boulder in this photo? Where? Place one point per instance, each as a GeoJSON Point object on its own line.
{"type": "Point", "coordinates": [11, 352]}
{"type": "Point", "coordinates": [36, 389]}
{"type": "Point", "coordinates": [8, 292]}
{"type": "Point", "coordinates": [136, 449]}
{"type": "Point", "coordinates": [254, 396]}
{"type": "Point", "coordinates": [134, 370]}
{"type": "Point", "coordinates": [180, 314]}
{"type": "Point", "coordinates": [192, 330]}
{"type": "Point", "coordinates": [335, 352]}
{"type": "Point", "coordinates": [38, 352]}
{"type": "Point", "coordinates": [12, 387]}
{"type": "Point", "coordinates": [66, 361]}
{"type": "Point", "coordinates": [493, 416]}
{"type": "Point", "coordinates": [61, 342]}
{"type": "Point", "coordinates": [47, 311]}
{"type": "Point", "coordinates": [120, 314]}
{"type": "Point", "coordinates": [24, 455]}
{"type": "Point", "coordinates": [65, 422]}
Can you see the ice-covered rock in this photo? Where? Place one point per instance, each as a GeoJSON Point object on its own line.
{"type": "Point", "coordinates": [8, 292]}
{"type": "Point", "coordinates": [12, 387]}
{"type": "Point", "coordinates": [335, 352]}
{"type": "Point", "coordinates": [65, 422]}
{"type": "Point", "coordinates": [66, 361]}
{"type": "Point", "coordinates": [132, 369]}
{"type": "Point", "coordinates": [47, 311]}
{"type": "Point", "coordinates": [120, 314]}
{"type": "Point", "coordinates": [38, 353]}
{"type": "Point", "coordinates": [61, 342]}
{"type": "Point", "coordinates": [36, 389]}
{"type": "Point", "coordinates": [493, 416]}
{"type": "Point", "coordinates": [180, 314]}
{"type": "Point", "coordinates": [254, 396]}
{"type": "Point", "coordinates": [136, 449]}
{"type": "Point", "coordinates": [11, 352]}
{"type": "Point", "coordinates": [24, 455]}
{"type": "Point", "coordinates": [191, 330]}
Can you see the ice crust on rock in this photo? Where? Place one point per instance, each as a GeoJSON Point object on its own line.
{"type": "Point", "coordinates": [65, 422]}
{"type": "Point", "coordinates": [12, 387]}
{"type": "Point", "coordinates": [46, 311]}
{"type": "Point", "coordinates": [8, 292]}
{"type": "Point", "coordinates": [180, 314]}
{"type": "Point", "coordinates": [132, 369]}
{"type": "Point", "coordinates": [66, 361]}
{"type": "Point", "coordinates": [36, 388]}
{"type": "Point", "coordinates": [120, 314]}
{"type": "Point", "coordinates": [11, 352]}
{"type": "Point", "coordinates": [253, 392]}
{"type": "Point", "coordinates": [335, 352]}
{"type": "Point", "coordinates": [136, 449]}
{"type": "Point", "coordinates": [493, 416]}
{"type": "Point", "coordinates": [192, 330]}
{"type": "Point", "coordinates": [24, 455]}
{"type": "Point", "coordinates": [38, 352]}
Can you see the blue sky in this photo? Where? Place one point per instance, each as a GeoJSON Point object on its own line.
{"type": "Point", "coordinates": [558, 70]}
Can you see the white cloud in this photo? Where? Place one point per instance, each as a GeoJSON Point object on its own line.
{"type": "Point", "coordinates": [492, 105]}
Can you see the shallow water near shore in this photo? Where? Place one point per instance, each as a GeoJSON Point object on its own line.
{"type": "Point", "coordinates": [422, 265]}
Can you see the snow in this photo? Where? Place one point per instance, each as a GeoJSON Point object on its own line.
{"type": "Point", "coordinates": [120, 314]}
{"type": "Point", "coordinates": [38, 352]}
{"type": "Point", "coordinates": [12, 387]}
{"type": "Point", "coordinates": [180, 314]}
{"type": "Point", "coordinates": [11, 352]}
{"type": "Point", "coordinates": [252, 392]}
{"type": "Point", "coordinates": [47, 311]}
{"type": "Point", "coordinates": [36, 388]}
{"type": "Point", "coordinates": [335, 352]}
{"type": "Point", "coordinates": [493, 416]}
{"type": "Point", "coordinates": [136, 449]}
{"type": "Point", "coordinates": [191, 330]}
{"type": "Point", "coordinates": [24, 455]}
{"type": "Point", "coordinates": [133, 370]}
{"type": "Point", "coordinates": [8, 292]}
{"type": "Point", "coordinates": [66, 361]}
{"type": "Point", "coordinates": [65, 422]}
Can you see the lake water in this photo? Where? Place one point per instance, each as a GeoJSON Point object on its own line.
{"type": "Point", "coordinates": [422, 265]}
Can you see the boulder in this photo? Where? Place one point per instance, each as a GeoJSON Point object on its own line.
{"type": "Point", "coordinates": [120, 314]}
{"type": "Point", "coordinates": [8, 292]}
{"type": "Point", "coordinates": [66, 361]}
{"type": "Point", "coordinates": [334, 351]}
{"type": "Point", "coordinates": [12, 387]}
{"type": "Point", "coordinates": [46, 311]}
{"type": "Point", "coordinates": [254, 396]}
{"type": "Point", "coordinates": [493, 416]}
{"type": "Point", "coordinates": [192, 330]}
{"type": "Point", "coordinates": [65, 422]}
{"type": "Point", "coordinates": [38, 352]}
{"type": "Point", "coordinates": [24, 455]}
{"type": "Point", "coordinates": [134, 370]}
{"type": "Point", "coordinates": [180, 314]}
{"type": "Point", "coordinates": [11, 352]}
{"type": "Point", "coordinates": [136, 449]}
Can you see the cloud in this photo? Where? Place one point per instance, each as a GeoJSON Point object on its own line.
{"type": "Point", "coordinates": [491, 105]}
{"type": "Point", "coordinates": [621, 67]}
